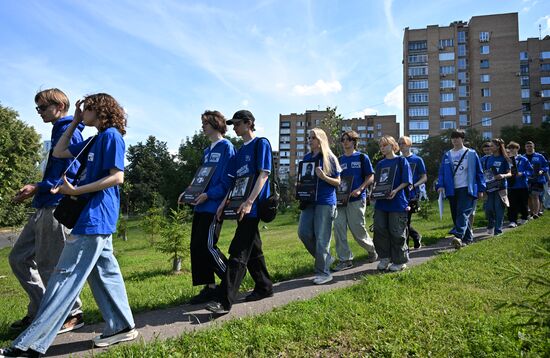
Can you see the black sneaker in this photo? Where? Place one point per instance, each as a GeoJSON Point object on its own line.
{"type": "Point", "coordinates": [125, 335]}
{"type": "Point", "coordinates": [21, 324]}
{"type": "Point", "coordinates": [216, 307]}
{"type": "Point", "coordinates": [15, 352]}
{"type": "Point", "coordinates": [207, 294]}
{"type": "Point", "coordinates": [256, 296]}
{"type": "Point", "coordinates": [418, 243]}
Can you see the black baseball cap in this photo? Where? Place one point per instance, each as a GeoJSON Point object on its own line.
{"type": "Point", "coordinates": [242, 115]}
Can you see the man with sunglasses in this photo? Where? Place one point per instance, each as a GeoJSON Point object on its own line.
{"type": "Point", "coordinates": [37, 250]}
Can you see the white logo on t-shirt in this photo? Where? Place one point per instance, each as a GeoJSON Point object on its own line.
{"type": "Point", "coordinates": [344, 166]}
{"type": "Point", "coordinates": [214, 157]}
{"type": "Point", "coordinates": [90, 157]}
{"type": "Point", "coordinates": [355, 165]}
{"type": "Point", "coordinates": [242, 170]}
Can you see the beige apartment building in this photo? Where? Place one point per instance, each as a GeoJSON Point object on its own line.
{"type": "Point", "coordinates": [294, 127]}
{"type": "Point", "coordinates": [472, 75]}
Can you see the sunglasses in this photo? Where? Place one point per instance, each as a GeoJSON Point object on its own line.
{"type": "Point", "coordinates": [346, 139]}
{"type": "Point", "coordinates": [42, 108]}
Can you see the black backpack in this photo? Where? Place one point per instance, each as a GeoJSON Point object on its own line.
{"type": "Point", "coordinates": [267, 209]}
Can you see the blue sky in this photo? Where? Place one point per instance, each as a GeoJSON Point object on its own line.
{"type": "Point", "coordinates": [168, 61]}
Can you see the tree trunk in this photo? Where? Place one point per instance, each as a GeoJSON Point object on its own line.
{"type": "Point", "coordinates": [176, 264]}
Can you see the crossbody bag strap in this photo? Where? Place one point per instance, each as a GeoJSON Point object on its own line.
{"type": "Point", "coordinates": [83, 152]}
{"type": "Point", "coordinates": [459, 162]}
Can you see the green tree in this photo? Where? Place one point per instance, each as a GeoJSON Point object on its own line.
{"type": "Point", "coordinates": [152, 222]}
{"type": "Point", "coordinates": [19, 155]}
{"type": "Point", "coordinates": [332, 125]}
{"type": "Point", "coordinates": [175, 233]}
{"type": "Point", "coordinates": [538, 135]}
{"type": "Point", "coordinates": [431, 151]}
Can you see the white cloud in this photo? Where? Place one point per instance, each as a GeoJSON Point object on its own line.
{"type": "Point", "coordinates": [394, 98]}
{"type": "Point", "coordinates": [319, 87]}
{"type": "Point", "coordinates": [529, 4]}
{"type": "Point", "coordinates": [389, 18]}
{"type": "Point", "coordinates": [245, 103]}
{"type": "Point", "coordinates": [545, 22]}
{"type": "Point", "coordinates": [364, 112]}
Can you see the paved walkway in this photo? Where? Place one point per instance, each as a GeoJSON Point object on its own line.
{"type": "Point", "coordinates": [172, 322]}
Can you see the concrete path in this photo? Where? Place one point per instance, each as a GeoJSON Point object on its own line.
{"type": "Point", "coordinates": [172, 322]}
{"type": "Point", "coordinates": [8, 237]}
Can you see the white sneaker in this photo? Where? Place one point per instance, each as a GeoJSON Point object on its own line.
{"type": "Point", "coordinates": [512, 225]}
{"type": "Point", "coordinates": [456, 242]}
{"type": "Point", "coordinates": [490, 231]}
{"type": "Point", "coordinates": [397, 267]}
{"type": "Point", "coordinates": [321, 280]}
{"type": "Point", "coordinates": [123, 336]}
{"type": "Point", "coordinates": [383, 264]}
{"type": "Point", "coordinates": [521, 222]}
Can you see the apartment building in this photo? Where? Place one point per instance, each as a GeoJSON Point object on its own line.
{"type": "Point", "coordinates": [472, 75]}
{"type": "Point", "coordinates": [294, 127]}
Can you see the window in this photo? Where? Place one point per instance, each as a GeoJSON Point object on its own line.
{"type": "Point", "coordinates": [300, 131]}
{"type": "Point", "coordinates": [422, 84]}
{"type": "Point", "coordinates": [418, 111]}
{"type": "Point", "coordinates": [524, 80]}
{"type": "Point", "coordinates": [545, 55]}
{"type": "Point", "coordinates": [523, 56]}
{"type": "Point", "coordinates": [418, 45]}
{"type": "Point", "coordinates": [546, 106]}
{"type": "Point", "coordinates": [463, 105]}
{"type": "Point", "coordinates": [363, 135]}
{"type": "Point", "coordinates": [462, 77]}
{"type": "Point", "coordinates": [524, 69]}
{"type": "Point", "coordinates": [486, 121]}
{"type": "Point", "coordinates": [300, 146]}
{"type": "Point", "coordinates": [545, 80]}
{"type": "Point", "coordinates": [488, 135]}
{"type": "Point", "coordinates": [526, 107]}
{"type": "Point", "coordinates": [284, 146]}
{"type": "Point", "coordinates": [418, 71]}
{"type": "Point", "coordinates": [378, 126]}
{"type": "Point", "coordinates": [447, 84]}
{"type": "Point", "coordinates": [379, 134]}
{"type": "Point", "coordinates": [463, 91]}
{"type": "Point", "coordinates": [484, 36]}
{"type": "Point", "coordinates": [484, 50]}
{"type": "Point", "coordinates": [461, 50]}
{"type": "Point", "coordinates": [545, 118]}
{"type": "Point", "coordinates": [420, 97]}
{"type": "Point", "coordinates": [448, 125]}
{"type": "Point", "coordinates": [463, 120]}
{"type": "Point", "coordinates": [446, 70]}
{"type": "Point", "coordinates": [300, 124]}
{"type": "Point", "coordinates": [419, 125]}
{"type": "Point", "coordinates": [526, 119]}
{"type": "Point", "coordinates": [485, 92]}
{"type": "Point", "coordinates": [317, 122]}
{"type": "Point", "coordinates": [525, 93]}
{"type": "Point", "coordinates": [545, 66]}
{"type": "Point", "coordinates": [446, 56]}
{"type": "Point", "coordinates": [285, 124]}
{"type": "Point", "coordinates": [300, 139]}
{"type": "Point", "coordinates": [486, 107]}
{"type": "Point", "coordinates": [447, 97]}
{"type": "Point", "coordinates": [447, 111]}
{"type": "Point", "coordinates": [300, 154]}
{"type": "Point", "coordinates": [485, 78]}
{"type": "Point", "coordinates": [484, 64]}
{"type": "Point", "coordinates": [284, 139]}
{"type": "Point", "coordinates": [461, 37]}
{"type": "Point", "coordinates": [284, 161]}
{"type": "Point", "coordinates": [284, 154]}
{"type": "Point", "coordinates": [462, 63]}
{"type": "Point", "coordinates": [445, 43]}
{"type": "Point", "coordinates": [361, 128]}
{"type": "Point", "coordinates": [418, 138]}
{"type": "Point", "coordinates": [285, 131]}
{"type": "Point", "coordinates": [418, 58]}
{"type": "Point", "coordinates": [545, 93]}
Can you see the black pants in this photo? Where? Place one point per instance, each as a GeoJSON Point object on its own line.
{"type": "Point", "coordinates": [206, 258]}
{"type": "Point", "coordinates": [245, 252]}
{"type": "Point", "coordinates": [518, 204]}
{"type": "Point", "coordinates": [412, 233]}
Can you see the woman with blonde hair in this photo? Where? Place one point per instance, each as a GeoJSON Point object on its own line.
{"type": "Point", "coordinates": [317, 216]}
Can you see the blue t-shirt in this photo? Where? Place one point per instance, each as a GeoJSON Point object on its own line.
{"type": "Point", "coordinates": [326, 193]}
{"type": "Point", "coordinates": [359, 167]}
{"type": "Point", "coordinates": [500, 164]}
{"type": "Point", "coordinates": [525, 168]}
{"type": "Point", "coordinates": [247, 162]}
{"type": "Point", "coordinates": [218, 157]}
{"type": "Point", "coordinates": [419, 170]}
{"type": "Point", "coordinates": [400, 202]}
{"type": "Point", "coordinates": [537, 161]}
{"type": "Point", "coordinates": [100, 215]}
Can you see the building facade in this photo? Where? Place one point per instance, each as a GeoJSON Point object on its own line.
{"type": "Point", "coordinates": [469, 75]}
{"type": "Point", "coordinates": [535, 80]}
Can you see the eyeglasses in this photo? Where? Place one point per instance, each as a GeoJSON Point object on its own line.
{"type": "Point", "coordinates": [42, 107]}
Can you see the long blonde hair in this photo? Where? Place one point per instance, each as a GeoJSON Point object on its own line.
{"type": "Point", "coordinates": [328, 164]}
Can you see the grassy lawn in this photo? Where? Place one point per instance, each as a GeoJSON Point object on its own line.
{"type": "Point", "coordinates": [444, 308]}
{"type": "Point", "coordinates": [147, 272]}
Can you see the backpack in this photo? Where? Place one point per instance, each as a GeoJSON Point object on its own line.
{"type": "Point", "coordinates": [267, 209]}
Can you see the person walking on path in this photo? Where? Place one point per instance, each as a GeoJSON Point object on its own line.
{"type": "Point", "coordinates": [461, 180]}
{"type": "Point", "coordinates": [538, 178]}
{"type": "Point", "coordinates": [518, 187]}
{"type": "Point", "coordinates": [254, 158]}
{"type": "Point", "coordinates": [418, 170]}
{"type": "Point", "coordinates": [352, 215]}
{"type": "Point", "coordinates": [39, 245]}
{"type": "Point", "coordinates": [390, 212]}
{"type": "Point", "coordinates": [88, 252]}
{"type": "Point", "coordinates": [206, 257]}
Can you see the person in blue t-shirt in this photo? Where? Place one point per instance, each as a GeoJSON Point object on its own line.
{"type": "Point", "coordinates": [254, 158]}
{"type": "Point", "coordinates": [537, 180]}
{"type": "Point", "coordinates": [390, 214]}
{"type": "Point", "coordinates": [518, 187]}
{"type": "Point", "coordinates": [418, 170]}
{"type": "Point", "coordinates": [206, 257]}
{"type": "Point", "coordinates": [357, 165]}
{"type": "Point", "coordinates": [38, 247]}
{"type": "Point", "coordinates": [496, 169]}
{"type": "Point", "coordinates": [88, 251]}
{"type": "Point", "coordinates": [316, 218]}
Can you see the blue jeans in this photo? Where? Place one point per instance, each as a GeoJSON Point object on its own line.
{"type": "Point", "coordinates": [84, 256]}
{"type": "Point", "coordinates": [462, 205]}
{"type": "Point", "coordinates": [314, 230]}
{"type": "Point", "coordinates": [494, 211]}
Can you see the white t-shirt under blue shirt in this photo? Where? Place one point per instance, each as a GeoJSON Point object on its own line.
{"type": "Point", "coordinates": [100, 215]}
{"type": "Point", "coordinates": [461, 176]}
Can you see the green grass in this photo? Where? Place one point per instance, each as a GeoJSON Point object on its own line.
{"type": "Point", "coordinates": [147, 272]}
{"type": "Point", "coordinates": [443, 308]}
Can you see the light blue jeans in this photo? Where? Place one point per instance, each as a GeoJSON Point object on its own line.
{"type": "Point", "coordinates": [314, 230]}
{"type": "Point", "coordinates": [494, 211]}
{"type": "Point", "coordinates": [84, 256]}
